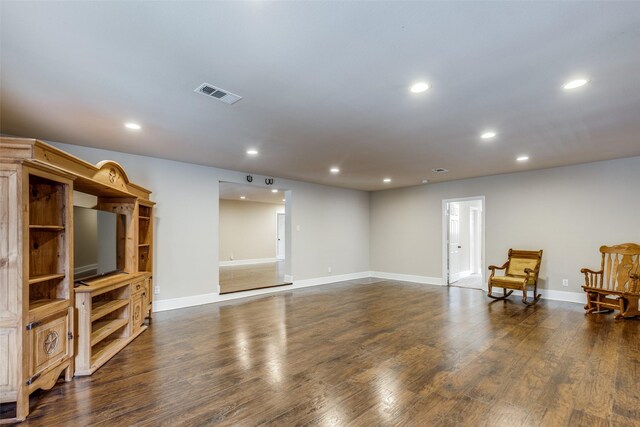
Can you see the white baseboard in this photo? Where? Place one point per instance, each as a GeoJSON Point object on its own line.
{"type": "Point", "coordinates": [194, 300]}
{"type": "Point", "coordinates": [330, 279]}
{"type": "Point", "coordinates": [288, 278]}
{"type": "Point", "coordinates": [425, 280]}
{"type": "Point", "coordinates": [550, 294]}
{"type": "Point", "coordinates": [248, 261]}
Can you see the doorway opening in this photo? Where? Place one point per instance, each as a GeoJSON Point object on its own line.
{"type": "Point", "coordinates": [253, 252]}
{"type": "Point", "coordinates": [463, 242]}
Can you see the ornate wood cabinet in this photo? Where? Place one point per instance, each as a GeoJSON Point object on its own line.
{"type": "Point", "coordinates": [37, 314]}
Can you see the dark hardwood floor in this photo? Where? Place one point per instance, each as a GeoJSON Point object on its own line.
{"type": "Point", "coordinates": [239, 278]}
{"type": "Point", "coordinates": [360, 353]}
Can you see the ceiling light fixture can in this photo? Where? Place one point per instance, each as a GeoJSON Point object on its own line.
{"type": "Point", "coordinates": [132, 126]}
{"type": "Point", "coordinates": [573, 84]}
{"type": "Point", "coordinates": [522, 158]}
{"type": "Point", "coordinates": [488, 135]}
{"type": "Point", "coordinates": [419, 87]}
{"type": "Point", "coordinates": [386, 180]}
{"type": "Point", "coordinates": [274, 191]}
{"type": "Point", "coordinates": [252, 152]}
{"type": "Point", "coordinates": [334, 170]}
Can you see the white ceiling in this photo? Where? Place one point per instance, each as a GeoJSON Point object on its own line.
{"type": "Point", "coordinates": [233, 191]}
{"type": "Point", "coordinates": [325, 83]}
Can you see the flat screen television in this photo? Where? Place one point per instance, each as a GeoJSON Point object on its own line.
{"type": "Point", "coordinates": [98, 244]}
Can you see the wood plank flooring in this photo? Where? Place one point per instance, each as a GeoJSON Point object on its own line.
{"type": "Point", "coordinates": [238, 278]}
{"type": "Point", "coordinates": [364, 353]}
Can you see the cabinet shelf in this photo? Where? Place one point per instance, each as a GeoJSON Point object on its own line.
{"type": "Point", "coordinates": [102, 308]}
{"type": "Point", "coordinates": [47, 227]}
{"type": "Point", "coordinates": [45, 278]}
{"type": "Point", "coordinates": [41, 307]}
{"type": "Point", "coordinates": [103, 328]}
{"type": "Point", "coordinates": [146, 218]}
{"type": "Point", "coordinates": [106, 352]}
{"type": "Point", "coordinates": [143, 244]}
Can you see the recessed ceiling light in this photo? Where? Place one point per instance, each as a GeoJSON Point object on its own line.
{"type": "Point", "coordinates": [132, 126]}
{"type": "Point", "coordinates": [419, 87]}
{"type": "Point", "coordinates": [274, 191]}
{"type": "Point", "coordinates": [488, 135]}
{"type": "Point", "coordinates": [522, 158]}
{"type": "Point", "coordinates": [284, 200]}
{"type": "Point", "coordinates": [575, 83]}
{"type": "Point", "coordinates": [252, 152]}
{"type": "Point", "coordinates": [424, 181]}
{"type": "Point", "coordinates": [386, 180]}
{"type": "Point", "coordinates": [334, 170]}
{"type": "Point", "coordinates": [242, 197]}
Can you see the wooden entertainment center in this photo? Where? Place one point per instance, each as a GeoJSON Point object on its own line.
{"type": "Point", "coordinates": [48, 327]}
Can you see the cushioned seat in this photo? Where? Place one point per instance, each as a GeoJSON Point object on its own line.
{"type": "Point", "coordinates": [511, 279]}
{"type": "Point", "coordinates": [521, 270]}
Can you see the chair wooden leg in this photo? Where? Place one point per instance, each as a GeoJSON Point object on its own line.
{"type": "Point", "coordinates": [536, 297]}
{"type": "Point", "coordinates": [504, 296]}
{"type": "Point", "coordinates": [631, 307]}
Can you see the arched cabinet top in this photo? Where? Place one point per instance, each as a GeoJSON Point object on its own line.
{"type": "Point", "coordinates": [112, 174]}
{"type": "Point", "coordinates": [107, 178]}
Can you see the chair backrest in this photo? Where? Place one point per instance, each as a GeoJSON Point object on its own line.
{"type": "Point", "coordinates": [618, 262]}
{"type": "Point", "coordinates": [519, 260]}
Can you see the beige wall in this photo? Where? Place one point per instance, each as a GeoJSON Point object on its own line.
{"type": "Point", "coordinates": [329, 225]}
{"type": "Point", "coordinates": [569, 212]}
{"type": "Point", "coordinates": [247, 229]}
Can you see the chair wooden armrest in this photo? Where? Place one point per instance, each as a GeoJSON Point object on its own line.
{"type": "Point", "coordinates": [592, 279]}
{"type": "Point", "coordinates": [494, 267]}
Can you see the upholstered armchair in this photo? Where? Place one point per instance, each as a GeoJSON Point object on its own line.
{"type": "Point", "coordinates": [521, 270]}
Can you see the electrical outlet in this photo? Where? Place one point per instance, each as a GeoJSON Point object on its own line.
{"type": "Point", "coordinates": [565, 282]}
{"type": "Point", "coordinates": [328, 269]}
{"type": "Point", "coordinates": [156, 290]}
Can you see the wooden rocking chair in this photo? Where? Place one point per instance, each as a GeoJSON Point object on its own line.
{"type": "Point", "coordinates": [522, 270]}
{"type": "Point", "coordinates": [616, 286]}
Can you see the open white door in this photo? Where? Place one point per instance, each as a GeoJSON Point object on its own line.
{"type": "Point", "coordinates": [463, 241]}
{"type": "Point", "coordinates": [454, 242]}
{"type": "Point", "coordinates": [280, 234]}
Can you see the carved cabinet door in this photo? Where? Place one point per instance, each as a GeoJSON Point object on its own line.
{"type": "Point", "coordinates": [49, 343]}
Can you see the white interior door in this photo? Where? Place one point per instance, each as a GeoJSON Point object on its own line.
{"type": "Point", "coordinates": [475, 241]}
{"type": "Point", "coordinates": [280, 234]}
{"type": "Point", "coordinates": [454, 242]}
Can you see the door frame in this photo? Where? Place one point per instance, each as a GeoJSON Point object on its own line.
{"type": "Point", "coordinates": [445, 236]}
{"type": "Point", "coordinates": [282, 256]}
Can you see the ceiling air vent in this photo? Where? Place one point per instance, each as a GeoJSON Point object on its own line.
{"type": "Point", "coordinates": [440, 170]}
{"type": "Point", "coordinates": [220, 94]}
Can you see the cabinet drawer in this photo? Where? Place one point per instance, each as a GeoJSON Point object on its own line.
{"type": "Point", "coordinates": [49, 342]}
{"type": "Point", "coordinates": [138, 287]}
